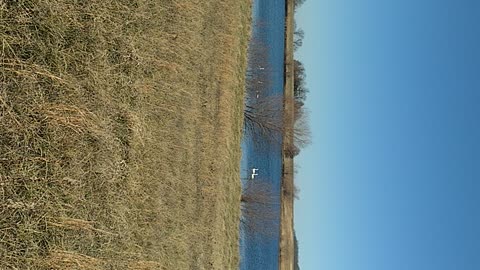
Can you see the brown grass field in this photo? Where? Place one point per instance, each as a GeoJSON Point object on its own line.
{"type": "Point", "coordinates": [120, 129]}
{"type": "Point", "coordinates": [286, 246]}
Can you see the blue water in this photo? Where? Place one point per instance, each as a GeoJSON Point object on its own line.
{"type": "Point", "coordinates": [258, 251]}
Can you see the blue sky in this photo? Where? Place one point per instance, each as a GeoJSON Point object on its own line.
{"type": "Point", "coordinates": [392, 180]}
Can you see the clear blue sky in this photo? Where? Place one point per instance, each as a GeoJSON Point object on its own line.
{"type": "Point", "coordinates": [392, 180]}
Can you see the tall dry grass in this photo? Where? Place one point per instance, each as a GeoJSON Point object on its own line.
{"type": "Point", "coordinates": [120, 125]}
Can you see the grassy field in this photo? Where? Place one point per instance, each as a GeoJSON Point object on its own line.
{"type": "Point", "coordinates": [286, 247]}
{"type": "Point", "coordinates": [120, 128]}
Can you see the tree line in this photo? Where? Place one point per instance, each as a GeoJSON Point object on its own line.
{"type": "Point", "coordinates": [300, 93]}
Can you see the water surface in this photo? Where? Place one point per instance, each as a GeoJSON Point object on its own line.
{"type": "Point", "coordinates": [258, 251]}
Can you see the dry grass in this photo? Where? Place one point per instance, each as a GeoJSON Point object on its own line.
{"type": "Point", "coordinates": [286, 247]}
{"type": "Point", "coordinates": [120, 126]}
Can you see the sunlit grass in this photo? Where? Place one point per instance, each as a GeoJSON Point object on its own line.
{"type": "Point", "coordinates": [120, 126]}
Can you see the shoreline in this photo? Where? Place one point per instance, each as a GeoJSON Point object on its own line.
{"type": "Point", "coordinates": [286, 243]}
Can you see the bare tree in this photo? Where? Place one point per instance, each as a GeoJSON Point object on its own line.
{"type": "Point", "coordinates": [298, 3]}
{"type": "Point", "coordinates": [298, 128]}
{"type": "Point", "coordinates": [266, 120]}
{"type": "Point", "coordinates": [260, 206]}
{"type": "Point", "coordinates": [299, 86]}
{"type": "Point", "coordinates": [263, 119]}
{"type": "Point", "coordinates": [292, 191]}
{"type": "Point", "coordinates": [291, 150]}
{"type": "Point", "coordinates": [299, 34]}
{"type": "Point", "coordinates": [302, 135]}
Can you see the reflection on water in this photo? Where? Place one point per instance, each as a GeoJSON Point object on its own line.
{"type": "Point", "coordinates": [258, 251]}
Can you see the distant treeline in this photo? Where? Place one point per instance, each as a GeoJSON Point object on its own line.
{"type": "Point", "coordinates": [300, 93]}
{"type": "Point", "coordinates": [298, 3]}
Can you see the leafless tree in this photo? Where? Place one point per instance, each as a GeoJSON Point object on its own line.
{"type": "Point", "coordinates": [299, 89]}
{"type": "Point", "coordinates": [291, 150]}
{"type": "Point", "coordinates": [298, 3]}
{"type": "Point", "coordinates": [298, 128]}
{"type": "Point", "coordinates": [299, 35]}
{"type": "Point", "coordinates": [291, 191]}
{"type": "Point", "coordinates": [263, 118]}
{"type": "Point", "coordinates": [260, 206]}
{"type": "Point", "coordinates": [266, 120]}
{"type": "Point", "coordinates": [302, 135]}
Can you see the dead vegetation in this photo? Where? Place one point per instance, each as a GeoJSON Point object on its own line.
{"type": "Point", "coordinates": [120, 126]}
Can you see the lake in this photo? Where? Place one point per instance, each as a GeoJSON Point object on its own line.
{"type": "Point", "coordinates": [258, 251]}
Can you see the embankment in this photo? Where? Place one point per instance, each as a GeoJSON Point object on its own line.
{"type": "Point", "coordinates": [286, 253]}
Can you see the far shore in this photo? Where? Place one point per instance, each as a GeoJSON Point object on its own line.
{"type": "Point", "coordinates": [286, 246]}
